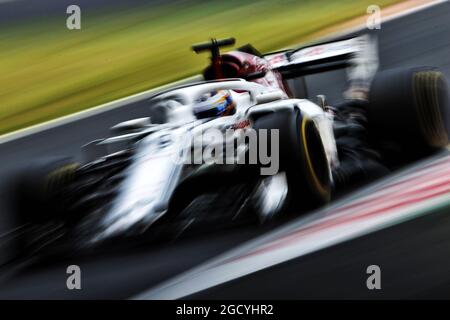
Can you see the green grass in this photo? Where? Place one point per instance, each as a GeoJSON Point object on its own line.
{"type": "Point", "coordinates": [48, 71]}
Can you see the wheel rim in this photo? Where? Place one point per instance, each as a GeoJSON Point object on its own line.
{"type": "Point", "coordinates": [427, 88]}
{"type": "Point", "coordinates": [315, 158]}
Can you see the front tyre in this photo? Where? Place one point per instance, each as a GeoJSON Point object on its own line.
{"type": "Point", "coordinates": [302, 156]}
{"type": "Point", "coordinates": [37, 190]}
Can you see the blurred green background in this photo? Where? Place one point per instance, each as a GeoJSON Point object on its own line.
{"type": "Point", "coordinates": [47, 71]}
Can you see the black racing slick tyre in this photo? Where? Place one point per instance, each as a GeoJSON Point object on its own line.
{"type": "Point", "coordinates": [301, 156]}
{"type": "Point", "coordinates": [408, 112]}
{"type": "Point", "coordinates": [37, 189]}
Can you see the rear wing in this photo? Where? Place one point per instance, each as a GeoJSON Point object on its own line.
{"type": "Point", "coordinates": [317, 58]}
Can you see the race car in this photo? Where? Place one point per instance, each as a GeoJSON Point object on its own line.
{"type": "Point", "coordinates": [243, 144]}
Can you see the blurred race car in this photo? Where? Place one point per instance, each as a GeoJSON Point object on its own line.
{"type": "Point", "coordinates": [153, 174]}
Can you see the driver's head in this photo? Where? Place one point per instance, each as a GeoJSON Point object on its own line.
{"type": "Point", "coordinates": [214, 104]}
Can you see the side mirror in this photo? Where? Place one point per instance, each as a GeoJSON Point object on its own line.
{"type": "Point", "coordinates": [131, 125]}
{"type": "Point", "coordinates": [269, 97]}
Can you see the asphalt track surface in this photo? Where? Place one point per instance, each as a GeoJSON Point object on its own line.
{"type": "Point", "coordinates": [416, 250]}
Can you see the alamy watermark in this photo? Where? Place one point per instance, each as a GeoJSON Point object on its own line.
{"type": "Point", "coordinates": [374, 20]}
{"type": "Point", "coordinates": [373, 282]}
{"type": "Point", "coordinates": [231, 146]}
{"type": "Point", "coordinates": [73, 281]}
{"type": "Point", "coordinates": [73, 21]}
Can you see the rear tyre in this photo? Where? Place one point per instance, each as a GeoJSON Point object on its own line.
{"type": "Point", "coordinates": [302, 156]}
{"type": "Point", "coordinates": [408, 113]}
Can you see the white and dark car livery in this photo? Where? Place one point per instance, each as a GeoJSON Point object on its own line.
{"type": "Point", "coordinates": [129, 183]}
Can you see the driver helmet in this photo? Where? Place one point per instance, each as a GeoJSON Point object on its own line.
{"type": "Point", "coordinates": [217, 103]}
